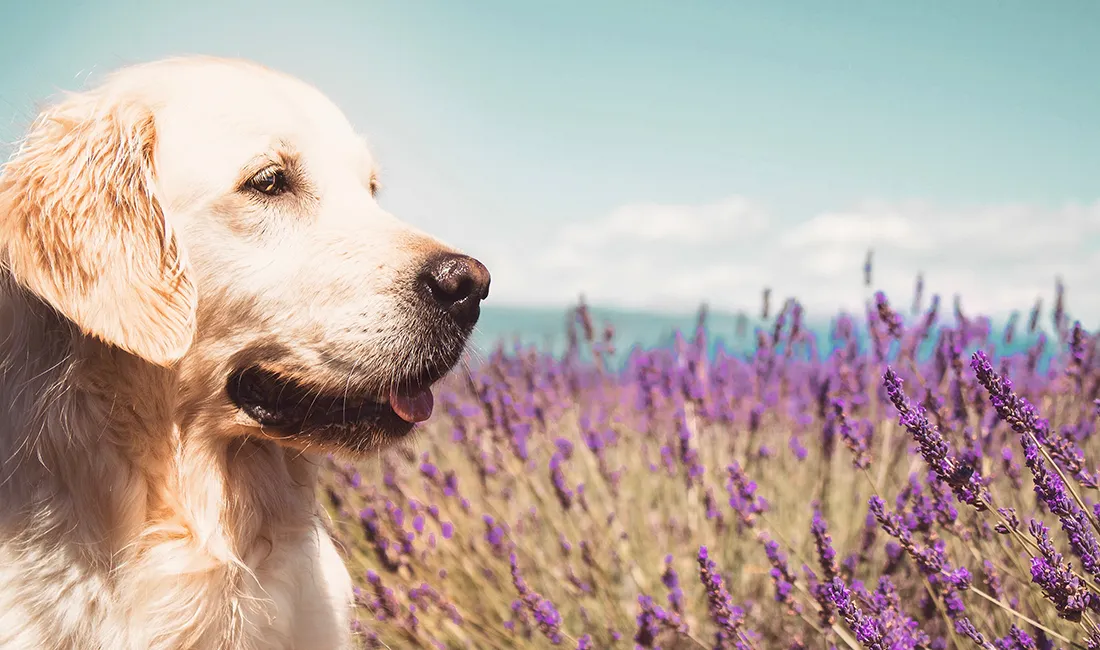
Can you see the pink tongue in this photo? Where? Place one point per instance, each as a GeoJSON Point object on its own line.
{"type": "Point", "coordinates": [412, 407]}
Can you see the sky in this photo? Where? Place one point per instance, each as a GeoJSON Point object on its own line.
{"type": "Point", "coordinates": [653, 155]}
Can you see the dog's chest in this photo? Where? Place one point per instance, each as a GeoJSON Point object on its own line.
{"type": "Point", "coordinates": [308, 590]}
{"type": "Point", "coordinates": [296, 597]}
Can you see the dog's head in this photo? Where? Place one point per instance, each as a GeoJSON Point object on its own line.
{"type": "Point", "coordinates": [221, 218]}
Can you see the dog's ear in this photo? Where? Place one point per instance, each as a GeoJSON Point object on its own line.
{"type": "Point", "coordinates": [81, 227]}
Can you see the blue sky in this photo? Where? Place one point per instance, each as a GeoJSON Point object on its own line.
{"type": "Point", "coordinates": [654, 154]}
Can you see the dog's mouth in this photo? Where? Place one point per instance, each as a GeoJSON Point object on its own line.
{"type": "Point", "coordinates": [289, 405]}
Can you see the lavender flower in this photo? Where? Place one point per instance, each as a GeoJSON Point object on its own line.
{"type": "Point", "coordinates": [728, 617]}
{"type": "Point", "coordinates": [743, 498]}
{"type": "Point", "coordinates": [1017, 639]}
{"type": "Point", "coordinates": [782, 577]}
{"type": "Point", "coordinates": [826, 556]}
{"type": "Point", "coordinates": [541, 609]}
{"type": "Point", "coordinates": [557, 479]}
{"type": "Point", "coordinates": [888, 316]}
{"type": "Point", "coordinates": [856, 437]}
{"type": "Point", "coordinates": [1023, 418]}
{"type": "Point", "coordinates": [964, 480]}
{"type": "Point", "coordinates": [867, 630]}
{"type": "Point", "coordinates": [1057, 580]}
{"type": "Point", "coordinates": [671, 581]}
{"type": "Point", "coordinates": [652, 621]}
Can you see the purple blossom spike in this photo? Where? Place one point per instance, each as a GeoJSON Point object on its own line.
{"type": "Point", "coordinates": [1017, 639]}
{"type": "Point", "coordinates": [1057, 580]}
{"type": "Point", "coordinates": [653, 620]}
{"type": "Point", "coordinates": [782, 577]}
{"type": "Point", "coordinates": [963, 479]}
{"type": "Point", "coordinates": [823, 543]}
{"type": "Point", "coordinates": [728, 617]}
{"type": "Point", "coordinates": [557, 479]}
{"type": "Point", "coordinates": [743, 498]}
{"type": "Point", "coordinates": [541, 609]}
{"type": "Point", "coordinates": [1024, 419]}
{"type": "Point", "coordinates": [888, 316]}
{"type": "Point", "coordinates": [671, 581]}
{"type": "Point", "coordinates": [855, 436]}
{"type": "Point", "coordinates": [868, 631]}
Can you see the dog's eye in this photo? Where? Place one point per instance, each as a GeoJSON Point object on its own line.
{"type": "Point", "coordinates": [271, 181]}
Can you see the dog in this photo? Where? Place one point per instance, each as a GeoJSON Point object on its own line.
{"type": "Point", "coordinates": [200, 296]}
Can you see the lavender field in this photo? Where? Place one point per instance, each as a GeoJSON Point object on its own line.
{"type": "Point", "coordinates": [908, 483]}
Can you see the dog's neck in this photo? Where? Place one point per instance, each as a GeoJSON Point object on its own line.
{"type": "Point", "coordinates": [93, 458]}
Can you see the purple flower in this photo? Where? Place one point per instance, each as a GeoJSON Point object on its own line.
{"type": "Point", "coordinates": [541, 609]}
{"type": "Point", "coordinates": [781, 576]}
{"type": "Point", "coordinates": [743, 498]}
{"type": "Point", "coordinates": [652, 620]}
{"type": "Point", "coordinates": [966, 627]}
{"type": "Point", "coordinates": [963, 479]}
{"type": "Point", "coordinates": [868, 631]}
{"type": "Point", "coordinates": [671, 581]}
{"type": "Point", "coordinates": [823, 543]}
{"type": "Point", "coordinates": [992, 579]}
{"type": "Point", "coordinates": [1017, 639]}
{"type": "Point", "coordinates": [856, 437]}
{"type": "Point", "coordinates": [1024, 419]}
{"type": "Point", "coordinates": [888, 316]}
{"type": "Point", "coordinates": [946, 581]}
{"type": "Point", "coordinates": [728, 617]}
{"type": "Point", "coordinates": [1057, 580]}
{"type": "Point", "coordinates": [557, 479]}
{"type": "Point", "coordinates": [495, 535]}
{"type": "Point", "coordinates": [797, 448]}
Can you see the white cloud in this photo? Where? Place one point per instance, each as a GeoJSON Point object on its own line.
{"type": "Point", "coordinates": [669, 224]}
{"type": "Point", "coordinates": [997, 258]}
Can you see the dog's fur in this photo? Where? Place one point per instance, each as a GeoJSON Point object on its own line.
{"type": "Point", "coordinates": [139, 508]}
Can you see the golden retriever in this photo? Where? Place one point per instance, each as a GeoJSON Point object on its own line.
{"type": "Point", "coordinates": [199, 293]}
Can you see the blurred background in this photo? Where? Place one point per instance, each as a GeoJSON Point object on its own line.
{"type": "Point", "coordinates": [656, 155]}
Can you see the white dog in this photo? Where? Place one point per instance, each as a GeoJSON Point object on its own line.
{"type": "Point", "coordinates": [198, 292]}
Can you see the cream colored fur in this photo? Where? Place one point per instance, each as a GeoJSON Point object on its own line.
{"type": "Point", "coordinates": [138, 510]}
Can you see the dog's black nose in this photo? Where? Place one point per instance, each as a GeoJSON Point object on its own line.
{"type": "Point", "coordinates": [458, 284]}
